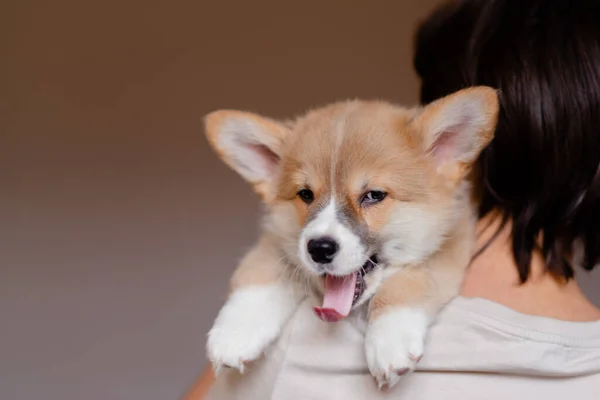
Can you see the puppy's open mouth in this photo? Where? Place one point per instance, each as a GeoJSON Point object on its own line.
{"type": "Point", "coordinates": [342, 292]}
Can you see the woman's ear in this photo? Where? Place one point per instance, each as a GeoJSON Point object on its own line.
{"type": "Point", "coordinates": [248, 143]}
{"type": "Point", "coordinates": [455, 129]}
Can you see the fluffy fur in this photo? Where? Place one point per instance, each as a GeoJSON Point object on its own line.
{"type": "Point", "coordinates": [386, 183]}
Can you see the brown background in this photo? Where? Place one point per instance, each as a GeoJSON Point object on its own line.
{"type": "Point", "coordinates": [119, 227]}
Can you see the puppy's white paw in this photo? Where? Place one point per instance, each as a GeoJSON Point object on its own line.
{"type": "Point", "coordinates": [250, 320]}
{"type": "Point", "coordinates": [394, 344]}
{"type": "Point", "coordinates": [233, 345]}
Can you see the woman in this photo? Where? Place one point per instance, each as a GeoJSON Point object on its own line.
{"type": "Point", "coordinates": [521, 326]}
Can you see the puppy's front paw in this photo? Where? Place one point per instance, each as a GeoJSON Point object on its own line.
{"type": "Point", "coordinates": [247, 324]}
{"type": "Point", "coordinates": [394, 344]}
{"type": "Point", "coordinates": [235, 342]}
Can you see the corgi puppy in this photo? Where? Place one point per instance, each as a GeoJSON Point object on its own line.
{"type": "Point", "coordinates": [368, 205]}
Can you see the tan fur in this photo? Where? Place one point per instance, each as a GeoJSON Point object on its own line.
{"type": "Point", "coordinates": [260, 266]}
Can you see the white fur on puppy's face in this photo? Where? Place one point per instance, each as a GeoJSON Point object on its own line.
{"type": "Point", "coordinates": [352, 253]}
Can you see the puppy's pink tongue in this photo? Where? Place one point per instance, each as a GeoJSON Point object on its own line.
{"type": "Point", "coordinates": [339, 295]}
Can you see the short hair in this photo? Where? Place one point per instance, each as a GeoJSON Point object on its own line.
{"type": "Point", "coordinates": [542, 170]}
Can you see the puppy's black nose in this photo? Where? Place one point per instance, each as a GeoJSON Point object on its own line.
{"type": "Point", "coordinates": [322, 250]}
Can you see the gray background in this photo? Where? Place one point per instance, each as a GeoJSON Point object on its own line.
{"type": "Point", "coordinates": [119, 226]}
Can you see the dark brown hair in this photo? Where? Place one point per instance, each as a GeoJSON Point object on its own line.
{"type": "Point", "coordinates": [542, 170]}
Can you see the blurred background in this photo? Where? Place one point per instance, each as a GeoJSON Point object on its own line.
{"type": "Point", "coordinates": [120, 228]}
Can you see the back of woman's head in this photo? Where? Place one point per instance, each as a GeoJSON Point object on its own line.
{"type": "Point", "coordinates": [542, 171]}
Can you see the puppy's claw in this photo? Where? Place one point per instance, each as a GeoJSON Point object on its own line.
{"type": "Point", "coordinates": [388, 379]}
{"type": "Point", "coordinates": [219, 367]}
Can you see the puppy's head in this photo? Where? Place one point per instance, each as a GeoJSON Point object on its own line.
{"type": "Point", "coordinates": [356, 186]}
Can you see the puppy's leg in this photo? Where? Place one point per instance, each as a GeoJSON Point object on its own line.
{"type": "Point", "coordinates": [260, 301]}
{"type": "Point", "coordinates": [406, 304]}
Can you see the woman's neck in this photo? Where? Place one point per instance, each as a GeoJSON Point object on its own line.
{"type": "Point", "coordinates": [493, 275]}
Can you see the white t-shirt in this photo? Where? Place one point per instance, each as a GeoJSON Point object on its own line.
{"type": "Point", "coordinates": [477, 349]}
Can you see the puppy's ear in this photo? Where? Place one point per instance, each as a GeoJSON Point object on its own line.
{"type": "Point", "coordinates": [453, 130]}
{"type": "Point", "coordinates": [248, 143]}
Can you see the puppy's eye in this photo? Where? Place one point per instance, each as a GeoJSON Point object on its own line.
{"type": "Point", "coordinates": [372, 197]}
{"type": "Point", "coordinates": [306, 195]}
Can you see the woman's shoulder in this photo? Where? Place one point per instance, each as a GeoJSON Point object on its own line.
{"type": "Point", "coordinates": [502, 340]}
{"type": "Point", "coordinates": [474, 346]}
